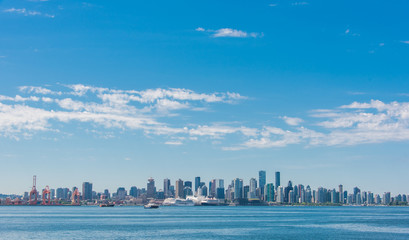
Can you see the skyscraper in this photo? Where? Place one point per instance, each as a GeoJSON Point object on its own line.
{"type": "Point", "coordinates": [269, 192]}
{"type": "Point", "coordinates": [261, 181]}
{"type": "Point", "coordinates": [277, 180]}
{"type": "Point", "coordinates": [150, 188]}
{"type": "Point", "coordinates": [220, 188]}
{"type": "Point", "coordinates": [133, 191]}
{"type": "Point", "coordinates": [341, 194]}
{"type": "Point", "coordinates": [197, 183]}
{"type": "Point", "coordinates": [86, 191]}
{"type": "Point", "coordinates": [166, 185]}
{"type": "Point", "coordinates": [238, 188]}
{"type": "Point", "coordinates": [188, 184]}
{"type": "Point", "coordinates": [179, 188]}
{"type": "Point", "coordinates": [252, 189]}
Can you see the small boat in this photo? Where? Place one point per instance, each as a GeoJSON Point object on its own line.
{"type": "Point", "coordinates": [151, 205]}
{"type": "Point", "coordinates": [107, 205]}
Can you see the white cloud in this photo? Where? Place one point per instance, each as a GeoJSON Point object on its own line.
{"type": "Point", "coordinates": [272, 5]}
{"type": "Point", "coordinates": [26, 12]}
{"type": "Point", "coordinates": [229, 32]}
{"type": "Point", "coordinates": [37, 90]}
{"type": "Point", "coordinates": [293, 121]}
{"type": "Point", "coordinates": [200, 29]}
{"type": "Point", "coordinates": [173, 143]}
{"type": "Point", "coordinates": [405, 42]}
{"type": "Point", "coordinates": [150, 112]}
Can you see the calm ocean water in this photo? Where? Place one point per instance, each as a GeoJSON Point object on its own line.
{"type": "Point", "coordinates": [42, 222]}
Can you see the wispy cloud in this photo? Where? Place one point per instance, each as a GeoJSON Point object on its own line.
{"type": "Point", "coordinates": [299, 3]}
{"type": "Point", "coordinates": [25, 12]}
{"type": "Point", "coordinates": [293, 121]}
{"type": "Point", "coordinates": [121, 109]}
{"type": "Point", "coordinates": [230, 32]}
{"type": "Point", "coordinates": [405, 42]}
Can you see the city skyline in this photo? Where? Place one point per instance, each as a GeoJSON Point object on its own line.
{"type": "Point", "coordinates": [257, 192]}
{"type": "Point", "coordinates": [114, 93]}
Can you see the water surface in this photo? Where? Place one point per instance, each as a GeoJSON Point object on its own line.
{"type": "Point", "coordinates": [91, 222]}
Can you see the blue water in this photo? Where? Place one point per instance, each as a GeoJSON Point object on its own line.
{"type": "Point", "coordinates": [42, 222]}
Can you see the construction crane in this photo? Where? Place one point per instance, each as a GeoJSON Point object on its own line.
{"type": "Point", "coordinates": [33, 193]}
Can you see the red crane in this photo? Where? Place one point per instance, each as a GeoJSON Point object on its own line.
{"type": "Point", "coordinates": [76, 197]}
{"type": "Point", "coordinates": [33, 193]}
{"type": "Point", "coordinates": [46, 196]}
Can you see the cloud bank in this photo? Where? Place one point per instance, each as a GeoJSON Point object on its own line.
{"type": "Point", "coordinates": [161, 112]}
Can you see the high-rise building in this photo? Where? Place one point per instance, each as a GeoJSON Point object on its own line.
{"type": "Point", "coordinates": [386, 198]}
{"type": "Point", "coordinates": [179, 189]}
{"type": "Point", "coordinates": [252, 189]}
{"type": "Point", "coordinates": [133, 191]}
{"type": "Point", "coordinates": [238, 188]}
{"type": "Point", "coordinates": [166, 190]}
{"type": "Point", "coordinates": [150, 188]}
{"type": "Point", "coordinates": [287, 191]}
{"type": "Point", "coordinates": [219, 189]}
{"type": "Point", "coordinates": [197, 183]}
{"type": "Point", "coordinates": [86, 191]}
{"type": "Point", "coordinates": [280, 194]}
{"type": "Point", "coordinates": [262, 181]}
{"type": "Point", "coordinates": [188, 184]}
{"type": "Point", "coordinates": [341, 194]}
{"type": "Point", "coordinates": [107, 194]}
{"type": "Point", "coordinates": [277, 180]}
{"type": "Point", "coordinates": [269, 192]}
{"type": "Point", "coordinates": [121, 193]}
{"type": "Point", "coordinates": [212, 188]}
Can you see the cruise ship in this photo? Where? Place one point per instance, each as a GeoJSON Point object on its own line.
{"type": "Point", "coordinates": [177, 202]}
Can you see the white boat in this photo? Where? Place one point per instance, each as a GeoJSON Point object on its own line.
{"type": "Point", "coordinates": [210, 202]}
{"type": "Point", "coordinates": [151, 205]}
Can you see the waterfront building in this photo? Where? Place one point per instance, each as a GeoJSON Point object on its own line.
{"type": "Point", "coordinates": [386, 200]}
{"type": "Point", "coordinates": [160, 195]}
{"type": "Point", "coordinates": [252, 189]}
{"type": "Point", "coordinates": [133, 191]}
{"type": "Point", "coordinates": [269, 192]}
{"type": "Point", "coordinates": [261, 182]}
{"type": "Point", "coordinates": [197, 183]}
{"type": "Point", "coordinates": [277, 178]}
{"type": "Point", "coordinates": [120, 193]}
{"type": "Point", "coordinates": [86, 191]}
{"type": "Point", "coordinates": [107, 194]}
{"type": "Point", "coordinates": [280, 194]}
{"type": "Point", "coordinates": [220, 189]}
{"type": "Point", "coordinates": [334, 196]}
{"type": "Point", "coordinates": [202, 191]}
{"type": "Point", "coordinates": [166, 188]}
{"type": "Point", "coordinates": [370, 198]}
{"type": "Point", "coordinates": [287, 191]}
{"type": "Point", "coordinates": [350, 199]}
{"type": "Point", "coordinates": [246, 190]}
{"type": "Point", "coordinates": [150, 188]}
{"type": "Point", "coordinates": [356, 191]}
{"type": "Point", "coordinates": [320, 195]}
{"type": "Point", "coordinates": [238, 188]}
{"type": "Point", "coordinates": [188, 184]}
{"type": "Point", "coordinates": [341, 193]}
{"type": "Point", "coordinates": [179, 188]}
{"type": "Point", "coordinates": [187, 191]}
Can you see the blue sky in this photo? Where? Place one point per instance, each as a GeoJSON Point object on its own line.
{"type": "Point", "coordinates": [117, 92]}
